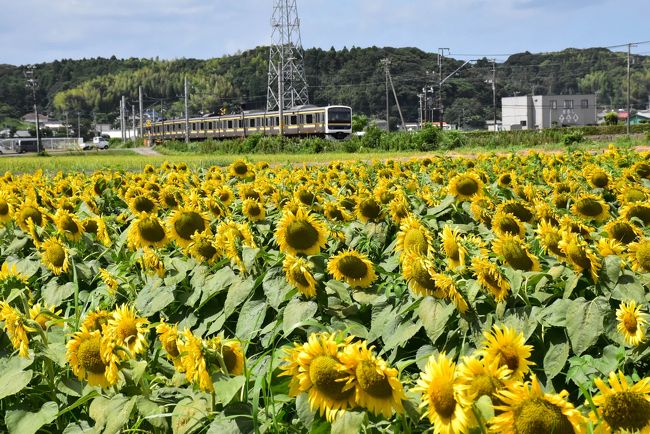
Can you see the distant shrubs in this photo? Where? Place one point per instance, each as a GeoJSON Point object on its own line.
{"type": "Point", "coordinates": [573, 138]}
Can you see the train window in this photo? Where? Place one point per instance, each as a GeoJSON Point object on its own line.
{"type": "Point", "coordinates": [251, 123]}
{"type": "Point", "coordinates": [309, 119]}
{"type": "Point", "coordinates": [294, 120]}
{"type": "Point", "coordinates": [229, 125]}
{"type": "Point", "coordinates": [193, 126]}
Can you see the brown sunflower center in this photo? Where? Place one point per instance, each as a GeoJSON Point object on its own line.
{"type": "Point", "coordinates": [626, 411]}
{"type": "Point", "coordinates": [4, 207]}
{"type": "Point", "coordinates": [641, 212]}
{"type": "Point", "coordinates": [505, 179]}
{"type": "Point", "coordinates": [151, 230]}
{"type": "Point", "coordinates": [589, 207]}
{"type": "Point", "coordinates": [516, 256]}
{"type": "Point", "coordinates": [33, 213]}
{"type": "Point", "coordinates": [642, 169]}
{"type": "Point", "coordinates": [69, 225]}
{"type": "Point", "coordinates": [169, 200]}
{"type": "Point", "coordinates": [578, 256]}
{"type": "Point", "coordinates": [386, 196]}
{"type": "Point", "coordinates": [519, 210]}
{"type": "Point", "coordinates": [171, 347]}
{"type": "Point", "coordinates": [90, 226]}
{"type": "Point", "coordinates": [629, 322]}
{"type": "Point", "coordinates": [600, 179]}
{"type": "Point", "coordinates": [224, 196]}
{"type": "Point", "coordinates": [89, 356]}
{"type": "Point", "coordinates": [298, 275]}
{"type": "Point", "coordinates": [443, 400]}
{"type": "Point", "coordinates": [509, 225]}
{"type": "Point", "coordinates": [552, 239]}
{"type": "Point", "coordinates": [240, 168]}
{"type": "Point", "coordinates": [371, 381]}
{"type": "Point", "coordinates": [467, 186]}
{"type": "Point", "coordinates": [206, 249]}
{"type": "Point", "coordinates": [229, 358]}
{"type": "Point", "coordinates": [324, 374]}
{"type": "Point", "coordinates": [143, 204]}
{"type": "Point", "coordinates": [188, 223]}
{"type": "Point", "coordinates": [254, 210]}
{"type": "Point", "coordinates": [561, 200]}
{"type": "Point", "coordinates": [334, 213]}
{"type": "Point", "coordinates": [56, 255]}
{"type": "Point", "coordinates": [416, 241]}
{"type": "Point", "coordinates": [485, 384]}
{"type": "Point", "coordinates": [643, 255]}
{"type": "Point", "coordinates": [622, 232]}
{"type": "Point", "coordinates": [306, 197]}
{"type": "Point", "coordinates": [369, 209]}
{"type": "Point", "coordinates": [508, 356]}
{"type": "Point", "coordinates": [301, 235]}
{"type": "Point", "coordinates": [422, 276]}
{"type": "Point", "coordinates": [537, 416]}
{"type": "Point", "coordinates": [352, 267]}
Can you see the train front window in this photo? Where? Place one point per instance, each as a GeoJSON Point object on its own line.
{"type": "Point", "coordinates": [340, 115]}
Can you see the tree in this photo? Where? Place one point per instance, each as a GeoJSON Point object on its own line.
{"type": "Point", "coordinates": [611, 118]}
{"type": "Point", "coordinates": [359, 123]}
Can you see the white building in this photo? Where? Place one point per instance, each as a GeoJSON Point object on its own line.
{"type": "Point", "coordinates": [533, 112]}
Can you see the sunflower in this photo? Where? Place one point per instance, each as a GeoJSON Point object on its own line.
{"type": "Point", "coordinates": [233, 357]}
{"type": "Point", "coordinates": [639, 255]}
{"type": "Point", "coordinates": [127, 330]}
{"type": "Point", "coordinates": [607, 247]}
{"type": "Point", "coordinates": [481, 209]}
{"type": "Point", "coordinates": [448, 409]}
{"type": "Point", "coordinates": [151, 262]}
{"type": "Point", "coordinates": [352, 267]}
{"type": "Point", "coordinates": [44, 314]}
{"type": "Point", "coordinates": [597, 177]}
{"type": "Point", "coordinates": [419, 273]}
{"type": "Point", "coordinates": [621, 407]}
{"type": "Point", "coordinates": [464, 186]}
{"type": "Point", "coordinates": [490, 278]}
{"type": "Point", "coordinates": [146, 231]}
{"type": "Point", "coordinates": [454, 250]}
{"type": "Point", "coordinates": [170, 197]}
{"type": "Point", "coordinates": [108, 280]}
{"type": "Point", "coordinates": [550, 237]}
{"type": "Point", "coordinates": [517, 208]}
{"type": "Point", "coordinates": [479, 378]}
{"type": "Point", "coordinates": [97, 226]}
{"type": "Point", "coordinates": [253, 210]}
{"type": "Point", "coordinates": [631, 323]}
{"type": "Point", "coordinates": [298, 272]}
{"type": "Point", "coordinates": [168, 336]}
{"type": "Point", "coordinates": [579, 255]}
{"type": "Point", "coordinates": [300, 233]}
{"type": "Point", "coordinates": [399, 209]}
{"type": "Point", "coordinates": [225, 195]}
{"type": "Point", "coordinates": [203, 248]}
{"type": "Point", "coordinates": [630, 193]}
{"type": "Point", "coordinates": [336, 213]}
{"type": "Point", "coordinates": [240, 169]}
{"type": "Point", "coordinates": [506, 179]}
{"type": "Point", "coordinates": [96, 320]}
{"type": "Point", "coordinates": [508, 348]}
{"type": "Point", "coordinates": [84, 354]}
{"type": "Point", "coordinates": [230, 239]}
{"type": "Point", "coordinates": [6, 208]}
{"type": "Point", "coordinates": [55, 256]}
{"type": "Point", "coordinates": [514, 252]}
{"type": "Point", "coordinates": [636, 210]}
{"type": "Point", "coordinates": [143, 203]}
{"type": "Point", "coordinates": [506, 223]}
{"type": "Point", "coordinates": [526, 409]}
{"type": "Point", "coordinates": [15, 327]}
{"type": "Point", "coordinates": [376, 386]}
{"type": "Point", "coordinates": [413, 236]}
{"type": "Point", "coordinates": [590, 207]}
{"type": "Point", "coordinates": [622, 231]}
{"type": "Point", "coordinates": [185, 222]}
{"type": "Point", "coordinates": [369, 210]}
{"type": "Point", "coordinates": [29, 209]}
{"type": "Point", "coordinates": [321, 374]}
{"type": "Point", "coordinates": [9, 273]}
{"type": "Point", "coordinates": [193, 361]}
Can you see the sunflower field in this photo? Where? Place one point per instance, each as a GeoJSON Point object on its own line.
{"type": "Point", "coordinates": [503, 294]}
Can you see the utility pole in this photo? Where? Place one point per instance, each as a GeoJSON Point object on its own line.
{"type": "Point", "coordinates": [133, 118]}
{"type": "Point", "coordinates": [441, 55]}
{"type": "Point", "coordinates": [141, 110]}
{"type": "Point", "coordinates": [122, 118]}
{"type": "Point", "coordinates": [67, 126]}
{"type": "Point", "coordinates": [95, 123]}
{"type": "Point", "coordinates": [162, 120]}
{"type": "Point", "coordinates": [420, 121]}
{"type": "Point", "coordinates": [494, 92]}
{"type": "Point", "coordinates": [187, 115]}
{"type": "Point", "coordinates": [78, 125]}
{"type": "Point", "coordinates": [31, 82]}
{"type": "Point", "coordinates": [424, 105]}
{"type": "Point", "coordinates": [386, 63]}
{"type": "Point", "coordinates": [629, 49]}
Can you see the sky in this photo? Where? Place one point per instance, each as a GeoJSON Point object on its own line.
{"type": "Point", "coordinates": [35, 31]}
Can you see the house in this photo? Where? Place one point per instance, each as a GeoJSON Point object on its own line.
{"type": "Point", "coordinates": [532, 112]}
{"type": "Point", "coordinates": [31, 118]}
{"type": "Point", "coordinates": [640, 117]}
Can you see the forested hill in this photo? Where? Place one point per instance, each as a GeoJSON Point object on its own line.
{"type": "Point", "coordinates": [353, 77]}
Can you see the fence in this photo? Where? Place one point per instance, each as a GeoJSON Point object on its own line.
{"type": "Point", "coordinates": [8, 146]}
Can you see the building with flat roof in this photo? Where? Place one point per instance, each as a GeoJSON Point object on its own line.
{"type": "Point", "coordinates": [533, 112]}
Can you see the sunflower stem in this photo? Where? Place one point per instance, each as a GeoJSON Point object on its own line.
{"type": "Point", "coordinates": [77, 313]}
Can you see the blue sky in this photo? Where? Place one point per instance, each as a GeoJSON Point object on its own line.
{"type": "Point", "coordinates": [34, 31]}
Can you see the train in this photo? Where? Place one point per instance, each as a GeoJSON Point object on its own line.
{"type": "Point", "coordinates": [332, 121]}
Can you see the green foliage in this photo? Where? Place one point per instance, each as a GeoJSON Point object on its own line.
{"type": "Point", "coordinates": [359, 122]}
{"type": "Point", "coordinates": [611, 118]}
{"type": "Point", "coordinates": [573, 137]}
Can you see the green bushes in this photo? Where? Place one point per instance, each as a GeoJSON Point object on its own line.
{"type": "Point", "coordinates": [572, 138]}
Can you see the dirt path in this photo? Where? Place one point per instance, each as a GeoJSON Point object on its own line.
{"type": "Point", "coordinates": [147, 151]}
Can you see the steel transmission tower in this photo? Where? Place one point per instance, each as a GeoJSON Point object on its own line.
{"type": "Point", "coordinates": [287, 85]}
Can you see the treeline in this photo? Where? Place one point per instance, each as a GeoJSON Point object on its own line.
{"type": "Point", "coordinates": [353, 77]}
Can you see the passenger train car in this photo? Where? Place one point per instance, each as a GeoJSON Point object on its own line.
{"type": "Point", "coordinates": [331, 122]}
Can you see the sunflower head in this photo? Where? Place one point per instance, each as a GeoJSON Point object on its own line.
{"type": "Point", "coordinates": [454, 249]}
{"type": "Point", "coordinates": [631, 323]}
{"type": "Point", "coordinates": [298, 271]}
{"type": "Point", "coordinates": [639, 255]}
{"type": "Point", "coordinates": [147, 231]}
{"type": "Point", "coordinates": [621, 407]}
{"type": "Point", "coordinates": [482, 379]}
{"type": "Point", "coordinates": [54, 255]}
{"type": "Point", "coordinates": [203, 248]}
{"type": "Point", "coordinates": [143, 203]}
{"type": "Point", "coordinates": [507, 347]}
{"type": "Point", "coordinates": [240, 169]}
{"type": "Point", "coordinates": [253, 210]}
{"type": "Point", "coordinates": [579, 255]}
{"type": "Point", "coordinates": [125, 328]}
{"type": "Point", "coordinates": [84, 354]}
{"type": "Point", "coordinates": [420, 275]}
{"type": "Point", "coordinates": [369, 210]}
{"type": "Point", "coordinates": [413, 236]}
{"type": "Point", "coordinates": [490, 278]}
{"type": "Point", "coordinates": [622, 231]}
{"type": "Point", "coordinates": [464, 186]}
{"type": "Point", "coordinates": [590, 207]}
{"type": "Point", "coordinates": [506, 223]}
{"type": "Point", "coordinates": [29, 209]}
{"type": "Point", "coordinates": [515, 253]}
{"type": "Point", "coordinates": [517, 208]}
{"type": "Point", "coordinates": [185, 222]}
{"type": "Point", "coordinates": [635, 210]}
{"type": "Point", "coordinates": [352, 267]}
{"type": "Point", "coordinates": [300, 233]}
